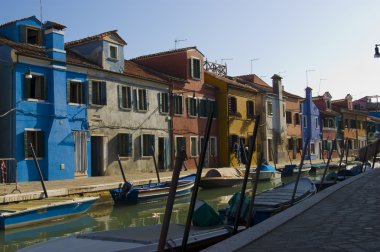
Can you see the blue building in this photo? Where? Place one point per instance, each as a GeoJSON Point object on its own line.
{"type": "Point", "coordinates": [41, 103]}
{"type": "Point", "coordinates": [310, 125]}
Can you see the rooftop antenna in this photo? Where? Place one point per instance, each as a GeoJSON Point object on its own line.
{"type": "Point", "coordinates": [177, 41]}
{"type": "Point", "coordinates": [319, 87]}
{"type": "Point", "coordinates": [41, 12]}
{"type": "Point", "coordinates": [252, 60]}
{"type": "Point", "coordinates": [307, 76]}
{"type": "Point", "coordinates": [221, 60]}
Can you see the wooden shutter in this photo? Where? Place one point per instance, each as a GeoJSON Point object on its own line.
{"type": "Point", "coordinates": [188, 105]}
{"type": "Point", "coordinates": [39, 148]}
{"type": "Point", "coordinates": [160, 102]}
{"type": "Point", "coordinates": [103, 93]}
{"type": "Point", "coordinates": [151, 143]}
{"type": "Point", "coordinates": [146, 99]}
{"type": "Point", "coordinates": [27, 88]}
{"type": "Point", "coordinates": [137, 98]}
{"type": "Point", "coordinates": [130, 145]}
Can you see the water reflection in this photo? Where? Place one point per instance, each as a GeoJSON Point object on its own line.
{"type": "Point", "coordinates": [105, 216]}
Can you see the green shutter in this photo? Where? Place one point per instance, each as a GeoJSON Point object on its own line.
{"type": "Point", "coordinates": [188, 105]}
{"type": "Point", "coordinates": [160, 102]}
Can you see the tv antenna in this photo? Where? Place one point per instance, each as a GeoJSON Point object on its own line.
{"type": "Point", "coordinates": [319, 87]}
{"type": "Point", "coordinates": [177, 41]}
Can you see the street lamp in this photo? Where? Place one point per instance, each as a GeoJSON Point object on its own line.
{"type": "Point", "coordinates": [377, 53]}
{"type": "Point", "coordinates": [28, 74]}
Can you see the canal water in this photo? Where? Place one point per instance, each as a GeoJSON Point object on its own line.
{"type": "Point", "coordinates": [105, 216]}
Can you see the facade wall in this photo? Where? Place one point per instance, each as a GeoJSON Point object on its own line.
{"type": "Point", "coordinates": [294, 133]}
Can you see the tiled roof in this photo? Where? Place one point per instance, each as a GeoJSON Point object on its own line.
{"type": "Point", "coordinates": [49, 24]}
{"type": "Point", "coordinates": [292, 95]}
{"type": "Point", "coordinates": [166, 52]}
{"type": "Point", "coordinates": [255, 79]}
{"type": "Point", "coordinates": [231, 81]}
{"type": "Point", "coordinates": [328, 113]}
{"type": "Point", "coordinates": [15, 21]}
{"type": "Point", "coordinates": [135, 70]}
{"type": "Point", "coordinates": [24, 49]}
{"type": "Point", "coordinates": [94, 38]}
{"type": "Point", "coordinates": [76, 59]}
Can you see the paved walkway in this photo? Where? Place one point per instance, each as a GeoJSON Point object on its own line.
{"type": "Point", "coordinates": [344, 217]}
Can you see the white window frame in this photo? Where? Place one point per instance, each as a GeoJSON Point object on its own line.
{"type": "Point", "coordinates": [214, 148]}
{"type": "Point", "coordinates": [271, 105]}
{"type": "Point", "coordinates": [192, 68]}
{"type": "Point", "coordinates": [83, 90]}
{"type": "Point", "coordinates": [216, 107]}
{"type": "Point", "coordinates": [128, 97]}
{"type": "Point", "coordinates": [116, 52]}
{"type": "Point", "coordinates": [199, 102]}
{"type": "Point", "coordinates": [196, 146]}
{"type": "Point", "coordinates": [142, 145]}
{"type": "Point", "coordinates": [316, 122]}
{"type": "Point", "coordinates": [175, 143]}
{"type": "Point", "coordinates": [45, 91]}
{"type": "Point", "coordinates": [312, 150]}
{"type": "Point", "coordinates": [161, 102]}
{"type": "Point", "coordinates": [146, 100]}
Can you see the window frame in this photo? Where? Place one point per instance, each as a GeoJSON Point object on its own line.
{"type": "Point", "coordinates": [270, 105]}
{"type": "Point", "coordinates": [194, 145]}
{"type": "Point", "coordinates": [164, 103]}
{"type": "Point", "coordinates": [38, 42]}
{"type": "Point", "coordinates": [43, 88]}
{"type": "Point", "coordinates": [232, 105]}
{"type": "Point", "coordinates": [176, 144]}
{"type": "Point", "coordinates": [142, 104]}
{"type": "Point", "coordinates": [289, 119]}
{"type": "Point", "coordinates": [176, 103]}
{"type": "Point", "coordinates": [143, 149]}
{"type": "Point", "coordinates": [116, 52]}
{"type": "Point", "coordinates": [297, 120]}
{"type": "Point", "coordinates": [36, 147]}
{"type": "Point", "coordinates": [193, 68]}
{"type": "Point", "coordinates": [316, 122]}
{"type": "Point", "coordinates": [190, 102]}
{"type": "Point", "coordinates": [205, 102]}
{"type": "Point", "coordinates": [82, 89]}
{"type": "Point", "coordinates": [126, 152]}
{"type": "Point", "coordinates": [304, 121]}
{"type": "Point", "coordinates": [250, 114]}
{"type": "Point", "coordinates": [101, 92]}
{"type": "Point", "coordinates": [125, 96]}
{"type": "Point", "coordinates": [213, 148]}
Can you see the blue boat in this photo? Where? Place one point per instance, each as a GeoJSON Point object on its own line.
{"type": "Point", "coordinates": [290, 170]}
{"type": "Point", "coordinates": [30, 212]}
{"type": "Point", "coordinates": [267, 172]}
{"type": "Point", "coordinates": [130, 194]}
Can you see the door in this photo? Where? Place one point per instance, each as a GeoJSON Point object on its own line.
{"type": "Point", "coordinates": [97, 155]}
{"type": "Point", "coordinates": [161, 153]}
{"type": "Point", "coordinates": [270, 150]}
{"type": "Point", "coordinates": [80, 153]}
{"type": "Point", "coordinates": [202, 142]}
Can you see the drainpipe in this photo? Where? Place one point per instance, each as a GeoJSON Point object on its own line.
{"type": "Point", "coordinates": [228, 129]}
{"type": "Point", "coordinates": [171, 128]}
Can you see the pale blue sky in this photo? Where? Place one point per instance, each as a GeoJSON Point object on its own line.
{"type": "Point", "coordinates": [335, 38]}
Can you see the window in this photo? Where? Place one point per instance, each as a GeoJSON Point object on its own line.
{"type": "Point", "coordinates": [164, 102]}
{"type": "Point", "coordinates": [212, 107]}
{"type": "Point", "coordinates": [142, 99]}
{"type": "Point", "coordinates": [36, 138]}
{"type": "Point", "coordinates": [346, 123]}
{"type": "Point", "coordinates": [299, 144]}
{"type": "Point", "coordinates": [232, 105]}
{"type": "Point", "coordinates": [193, 146]}
{"type": "Point", "coordinates": [270, 108]}
{"type": "Point", "coordinates": [328, 123]}
{"type": "Point", "coordinates": [75, 92]}
{"type": "Point", "coordinates": [288, 117]}
{"type": "Point", "coordinates": [32, 36]}
{"type": "Point", "coordinates": [290, 144]}
{"type": "Point", "coordinates": [125, 97]}
{"type": "Point", "coordinates": [353, 123]}
{"type": "Point", "coordinates": [180, 143]}
{"type": "Point", "coordinates": [316, 123]}
{"type": "Point", "coordinates": [328, 104]}
{"type": "Point", "coordinates": [125, 144]}
{"type": "Point", "coordinates": [192, 106]}
{"type": "Point", "coordinates": [195, 68]}
{"type": "Point", "coordinates": [34, 88]}
{"type": "Point", "coordinates": [113, 52]}
{"type": "Point", "coordinates": [304, 121]}
{"type": "Point", "coordinates": [312, 149]}
{"type": "Point", "coordinates": [203, 110]}
{"type": "Point", "coordinates": [297, 118]}
{"type": "Point", "coordinates": [147, 145]}
{"type": "Point", "coordinates": [213, 147]}
{"type": "Point", "coordinates": [98, 93]}
{"type": "Point", "coordinates": [178, 104]}
{"type": "Point", "coordinates": [234, 143]}
{"type": "Point", "coordinates": [250, 109]}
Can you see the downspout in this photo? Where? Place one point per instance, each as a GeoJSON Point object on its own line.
{"type": "Point", "coordinates": [228, 128]}
{"type": "Point", "coordinates": [171, 128]}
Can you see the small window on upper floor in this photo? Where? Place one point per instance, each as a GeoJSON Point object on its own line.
{"type": "Point", "coordinates": [289, 117]}
{"type": "Point", "coordinates": [328, 104]}
{"type": "Point", "coordinates": [195, 68]}
{"type": "Point", "coordinates": [98, 93]}
{"type": "Point", "coordinates": [232, 105]}
{"type": "Point", "coordinates": [35, 88]}
{"type": "Point", "coordinates": [33, 36]}
{"type": "Point", "coordinates": [125, 97]}
{"type": "Point", "coordinates": [75, 92]}
{"type": "Point", "coordinates": [250, 109]}
{"type": "Point", "coordinates": [164, 103]}
{"type": "Point", "coordinates": [270, 108]}
{"type": "Point", "coordinates": [113, 52]}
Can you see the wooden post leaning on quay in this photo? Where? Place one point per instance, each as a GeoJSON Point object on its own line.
{"type": "Point", "coordinates": [246, 174]}
{"type": "Point", "coordinates": [39, 170]}
{"type": "Point", "coordinates": [305, 149]}
{"type": "Point", "coordinates": [327, 165]}
{"type": "Point", "coordinates": [196, 182]}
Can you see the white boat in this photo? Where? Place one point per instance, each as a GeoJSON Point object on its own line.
{"type": "Point", "coordinates": [267, 172]}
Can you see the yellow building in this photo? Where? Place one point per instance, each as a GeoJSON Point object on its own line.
{"type": "Point", "coordinates": [236, 112]}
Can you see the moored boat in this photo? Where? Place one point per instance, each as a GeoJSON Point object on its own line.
{"type": "Point", "coordinates": [130, 194]}
{"type": "Point", "coordinates": [26, 213]}
{"type": "Point", "coordinates": [290, 170]}
{"type": "Point", "coordinates": [267, 172]}
{"type": "Point", "coordinates": [222, 177]}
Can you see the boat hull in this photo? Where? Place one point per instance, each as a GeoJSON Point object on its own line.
{"type": "Point", "coordinates": [9, 219]}
{"type": "Point", "coordinates": [208, 183]}
{"type": "Point", "coordinates": [152, 192]}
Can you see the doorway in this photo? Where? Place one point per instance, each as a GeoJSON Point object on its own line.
{"type": "Point", "coordinates": [161, 153]}
{"type": "Point", "coordinates": [80, 153]}
{"type": "Point", "coordinates": [97, 155]}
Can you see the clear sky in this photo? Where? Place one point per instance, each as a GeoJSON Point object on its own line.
{"type": "Point", "coordinates": [336, 38]}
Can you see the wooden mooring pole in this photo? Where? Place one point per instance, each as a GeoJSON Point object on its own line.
{"type": "Point", "coordinates": [305, 149]}
{"type": "Point", "coordinates": [39, 170]}
{"type": "Point", "coordinates": [327, 165]}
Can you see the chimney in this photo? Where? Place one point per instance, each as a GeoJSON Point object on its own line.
{"type": "Point", "coordinates": [277, 84]}
{"type": "Point", "coordinates": [54, 41]}
{"type": "Point", "coordinates": [309, 93]}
